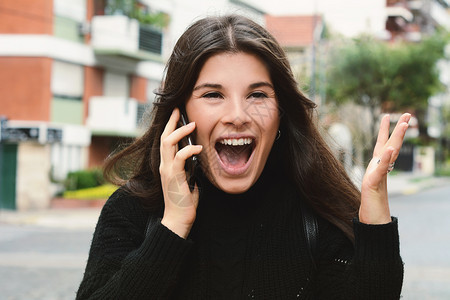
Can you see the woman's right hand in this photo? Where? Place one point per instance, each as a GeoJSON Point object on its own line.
{"type": "Point", "coordinates": [180, 203]}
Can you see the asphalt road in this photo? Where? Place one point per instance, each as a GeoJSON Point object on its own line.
{"type": "Point", "coordinates": [424, 224]}
{"type": "Point", "coordinates": [48, 262]}
{"type": "Point", "coordinates": [41, 263]}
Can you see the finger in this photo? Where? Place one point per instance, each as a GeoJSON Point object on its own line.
{"type": "Point", "coordinates": [183, 154]}
{"type": "Point", "coordinates": [172, 123]}
{"type": "Point", "coordinates": [396, 139]}
{"type": "Point", "coordinates": [405, 118]}
{"type": "Point", "coordinates": [400, 126]}
{"type": "Point", "coordinates": [166, 148]}
{"type": "Point", "coordinates": [383, 135]}
{"type": "Point", "coordinates": [175, 137]}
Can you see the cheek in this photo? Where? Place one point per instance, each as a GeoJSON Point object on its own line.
{"type": "Point", "coordinates": [266, 117]}
{"type": "Point", "coordinates": [197, 114]}
{"type": "Point", "coordinates": [202, 134]}
{"type": "Point", "coordinates": [204, 127]}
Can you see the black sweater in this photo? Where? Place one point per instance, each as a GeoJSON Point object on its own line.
{"type": "Point", "coordinates": [131, 258]}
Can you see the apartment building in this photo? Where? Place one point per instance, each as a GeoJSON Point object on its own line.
{"type": "Point", "coordinates": [74, 84]}
{"type": "Point", "coordinates": [411, 19]}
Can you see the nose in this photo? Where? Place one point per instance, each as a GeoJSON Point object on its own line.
{"type": "Point", "coordinates": [236, 112]}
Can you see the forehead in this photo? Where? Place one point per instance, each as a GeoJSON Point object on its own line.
{"type": "Point", "coordinates": [238, 67]}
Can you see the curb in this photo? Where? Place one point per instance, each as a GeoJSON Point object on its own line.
{"type": "Point", "coordinates": [80, 218]}
{"type": "Point", "coordinates": [411, 187]}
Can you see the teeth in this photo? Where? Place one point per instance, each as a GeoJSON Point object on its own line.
{"type": "Point", "coordinates": [236, 142]}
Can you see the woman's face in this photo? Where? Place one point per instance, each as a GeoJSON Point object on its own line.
{"type": "Point", "coordinates": [235, 110]}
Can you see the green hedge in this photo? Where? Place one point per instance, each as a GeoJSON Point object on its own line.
{"type": "Point", "coordinates": [84, 179]}
{"type": "Point", "coordinates": [443, 170]}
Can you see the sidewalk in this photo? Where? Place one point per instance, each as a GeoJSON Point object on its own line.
{"type": "Point", "coordinates": [410, 183]}
{"type": "Point", "coordinates": [86, 218]}
{"type": "Point", "coordinates": [69, 218]}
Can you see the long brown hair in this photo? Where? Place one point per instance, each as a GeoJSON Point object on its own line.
{"type": "Point", "coordinates": [302, 152]}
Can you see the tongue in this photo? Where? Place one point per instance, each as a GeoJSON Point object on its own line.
{"type": "Point", "coordinates": [235, 156]}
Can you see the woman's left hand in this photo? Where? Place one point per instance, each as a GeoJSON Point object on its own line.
{"type": "Point", "coordinates": [374, 196]}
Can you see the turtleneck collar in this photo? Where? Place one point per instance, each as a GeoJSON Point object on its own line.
{"type": "Point", "coordinates": [220, 209]}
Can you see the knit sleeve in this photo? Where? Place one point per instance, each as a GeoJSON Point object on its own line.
{"type": "Point", "coordinates": [128, 260]}
{"type": "Point", "coordinates": [371, 269]}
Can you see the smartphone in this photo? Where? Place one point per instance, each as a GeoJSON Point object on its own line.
{"type": "Point", "coordinates": [191, 162]}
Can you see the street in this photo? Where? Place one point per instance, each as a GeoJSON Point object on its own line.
{"type": "Point", "coordinates": [47, 262]}
{"type": "Point", "coordinates": [425, 242]}
{"type": "Point", "coordinates": [41, 263]}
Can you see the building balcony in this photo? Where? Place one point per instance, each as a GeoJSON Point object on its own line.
{"type": "Point", "coordinates": [124, 37]}
{"type": "Point", "coordinates": [399, 11]}
{"type": "Point", "coordinates": [115, 116]}
{"type": "Point", "coordinates": [398, 17]}
{"type": "Point", "coordinates": [415, 5]}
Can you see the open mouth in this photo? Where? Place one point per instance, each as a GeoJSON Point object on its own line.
{"type": "Point", "coordinates": [235, 154]}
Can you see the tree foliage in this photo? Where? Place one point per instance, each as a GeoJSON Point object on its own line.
{"type": "Point", "coordinates": [374, 74]}
{"type": "Point", "coordinates": [133, 9]}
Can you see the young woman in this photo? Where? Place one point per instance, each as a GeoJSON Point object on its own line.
{"type": "Point", "coordinates": [232, 225]}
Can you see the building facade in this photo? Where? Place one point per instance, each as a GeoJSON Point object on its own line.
{"type": "Point", "coordinates": [75, 83]}
{"type": "Point", "coordinates": [411, 19]}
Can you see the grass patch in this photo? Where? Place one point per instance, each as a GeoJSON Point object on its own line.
{"type": "Point", "coordinates": [443, 172]}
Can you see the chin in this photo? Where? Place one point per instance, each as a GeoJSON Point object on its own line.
{"type": "Point", "coordinates": [234, 186]}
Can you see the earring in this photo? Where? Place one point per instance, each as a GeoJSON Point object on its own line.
{"type": "Point", "coordinates": [278, 135]}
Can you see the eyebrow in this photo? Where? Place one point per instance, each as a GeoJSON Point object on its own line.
{"type": "Point", "coordinates": [260, 84]}
{"type": "Point", "coordinates": [219, 86]}
{"type": "Point", "coordinates": [208, 85]}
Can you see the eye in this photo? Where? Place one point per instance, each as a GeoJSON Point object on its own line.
{"type": "Point", "coordinates": [212, 95]}
{"type": "Point", "coordinates": [258, 95]}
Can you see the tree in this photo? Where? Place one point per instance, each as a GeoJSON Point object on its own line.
{"type": "Point", "coordinates": [417, 78]}
{"type": "Point", "coordinates": [382, 76]}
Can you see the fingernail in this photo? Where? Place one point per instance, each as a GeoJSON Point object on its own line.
{"type": "Point", "coordinates": [192, 124]}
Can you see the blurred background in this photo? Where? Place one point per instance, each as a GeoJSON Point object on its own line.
{"type": "Point", "coordinates": [77, 78]}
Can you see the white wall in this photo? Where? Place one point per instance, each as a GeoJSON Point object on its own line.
{"type": "Point", "coordinates": [115, 32]}
{"type": "Point", "coordinates": [120, 117]}
{"type": "Point", "coordinates": [33, 182]}
{"type": "Point", "coordinates": [116, 85]}
{"type": "Point", "coordinates": [67, 79]}
{"type": "Point", "coordinates": [67, 158]}
{"type": "Point", "coordinates": [73, 9]}
{"type": "Point", "coordinates": [348, 17]}
{"type": "Point", "coordinates": [183, 13]}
